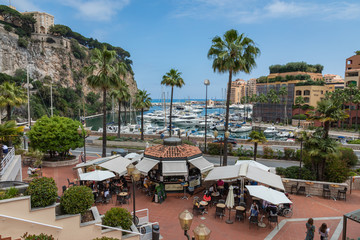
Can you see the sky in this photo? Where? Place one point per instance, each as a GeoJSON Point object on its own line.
{"type": "Point", "coordinates": [165, 34]}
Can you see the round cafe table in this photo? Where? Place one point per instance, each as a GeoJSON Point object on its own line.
{"type": "Point", "coordinates": [204, 203]}
{"type": "Point", "coordinates": [220, 205]}
{"type": "Point", "coordinates": [123, 194]}
{"type": "Point", "coordinates": [220, 187]}
{"type": "Point", "coordinates": [215, 194]}
{"type": "Point", "coordinates": [240, 208]}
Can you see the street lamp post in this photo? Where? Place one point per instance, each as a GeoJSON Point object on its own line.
{"type": "Point", "coordinates": [216, 133]}
{"type": "Point", "coordinates": [201, 232]}
{"type": "Point", "coordinates": [226, 134]}
{"type": "Point", "coordinates": [300, 136]}
{"type": "Point", "coordinates": [135, 176]}
{"type": "Point", "coordinates": [206, 83]}
{"type": "Point", "coordinates": [84, 133]}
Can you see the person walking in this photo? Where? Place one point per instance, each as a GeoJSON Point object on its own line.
{"type": "Point", "coordinates": [310, 229]}
{"type": "Point", "coordinates": [324, 232]}
{"type": "Point", "coordinates": [82, 157]}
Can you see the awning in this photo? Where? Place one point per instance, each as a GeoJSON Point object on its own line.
{"type": "Point", "coordinates": [174, 168]}
{"type": "Point", "coordinates": [96, 175]}
{"type": "Point", "coordinates": [117, 165]}
{"type": "Point", "coordinates": [268, 194]}
{"type": "Point", "coordinates": [94, 162]}
{"type": "Point", "coordinates": [264, 177]}
{"type": "Point", "coordinates": [202, 164]}
{"type": "Point", "coordinates": [227, 172]}
{"type": "Point", "coordinates": [145, 165]}
{"type": "Point", "coordinates": [253, 163]}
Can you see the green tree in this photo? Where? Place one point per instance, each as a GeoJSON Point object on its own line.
{"type": "Point", "coordinates": [104, 74]}
{"type": "Point", "coordinates": [256, 138]}
{"type": "Point", "coordinates": [77, 199]}
{"type": "Point", "coordinates": [356, 101]}
{"type": "Point", "coordinates": [233, 53]}
{"type": "Point", "coordinates": [43, 192]}
{"type": "Point", "coordinates": [262, 99]}
{"type": "Point", "coordinates": [11, 96]}
{"type": "Point", "coordinates": [55, 135]}
{"type": "Point", "coordinates": [121, 93]}
{"type": "Point", "coordinates": [328, 111]}
{"type": "Point", "coordinates": [273, 98]}
{"type": "Point", "coordinates": [172, 79]}
{"type": "Point", "coordinates": [118, 217]}
{"type": "Point", "coordinates": [10, 133]}
{"type": "Point", "coordinates": [284, 94]}
{"type": "Point", "coordinates": [142, 100]}
{"type": "Point", "coordinates": [299, 101]}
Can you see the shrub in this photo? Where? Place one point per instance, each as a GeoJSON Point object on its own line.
{"type": "Point", "coordinates": [279, 154]}
{"type": "Point", "coordinates": [356, 141]}
{"type": "Point", "coordinates": [43, 192]}
{"type": "Point", "coordinates": [8, 28]}
{"type": "Point", "coordinates": [280, 171]}
{"type": "Point", "coordinates": [348, 155]}
{"type": "Point", "coordinates": [268, 152]}
{"type": "Point", "coordinates": [23, 42]}
{"type": "Point", "coordinates": [288, 153]}
{"type": "Point", "coordinates": [50, 40]}
{"type": "Point", "coordinates": [241, 151]}
{"type": "Point", "coordinates": [118, 217]}
{"type": "Point", "coordinates": [10, 193]}
{"type": "Point", "coordinates": [41, 236]}
{"type": "Point", "coordinates": [297, 155]}
{"type": "Point", "coordinates": [301, 116]}
{"type": "Point", "coordinates": [185, 141]}
{"type": "Point", "coordinates": [244, 158]}
{"type": "Point", "coordinates": [336, 170]}
{"type": "Point", "coordinates": [216, 148]}
{"type": "Point", "coordinates": [293, 172]}
{"type": "Point", "coordinates": [77, 199]}
{"type": "Point", "coordinates": [106, 238]}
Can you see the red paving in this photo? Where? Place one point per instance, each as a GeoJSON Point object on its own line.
{"type": "Point", "coordinates": [167, 214]}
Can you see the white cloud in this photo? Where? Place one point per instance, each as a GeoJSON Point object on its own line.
{"type": "Point", "coordinates": [250, 11]}
{"type": "Point", "coordinates": [96, 10]}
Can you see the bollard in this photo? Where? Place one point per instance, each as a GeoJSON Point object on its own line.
{"type": "Point", "coordinates": [155, 232]}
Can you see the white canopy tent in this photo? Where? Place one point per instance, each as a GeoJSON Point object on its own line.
{"type": "Point", "coordinates": [145, 165]}
{"type": "Point", "coordinates": [253, 163]}
{"type": "Point", "coordinates": [95, 162]}
{"type": "Point", "coordinates": [96, 175]}
{"type": "Point", "coordinates": [117, 165]}
{"type": "Point", "coordinates": [174, 168]}
{"type": "Point", "coordinates": [245, 171]}
{"type": "Point", "coordinates": [202, 164]}
{"type": "Point", "coordinates": [268, 194]}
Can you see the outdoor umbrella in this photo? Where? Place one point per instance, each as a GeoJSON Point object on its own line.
{"type": "Point", "coordinates": [230, 202]}
{"type": "Point", "coordinates": [131, 155]}
{"type": "Point", "coordinates": [268, 194]}
{"type": "Point", "coordinates": [117, 165]}
{"type": "Point", "coordinates": [253, 163]}
{"type": "Point", "coordinates": [96, 175]}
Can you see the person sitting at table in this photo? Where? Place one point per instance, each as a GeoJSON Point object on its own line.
{"type": "Point", "coordinates": [220, 183]}
{"type": "Point", "coordinates": [200, 207]}
{"type": "Point", "coordinates": [254, 205]}
{"type": "Point", "coordinates": [124, 182]}
{"type": "Point", "coordinates": [147, 182]}
{"type": "Point", "coordinates": [254, 211]}
{"type": "Point", "coordinates": [106, 192]}
{"type": "Point", "coordinates": [207, 197]}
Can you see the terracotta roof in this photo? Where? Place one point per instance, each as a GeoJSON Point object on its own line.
{"type": "Point", "coordinates": [163, 152]}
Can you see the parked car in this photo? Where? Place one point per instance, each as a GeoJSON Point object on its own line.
{"type": "Point", "coordinates": [120, 151]}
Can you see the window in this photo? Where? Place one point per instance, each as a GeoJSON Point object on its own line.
{"type": "Point", "coordinates": [298, 93]}
{"type": "Point", "coordinates": [322, 92]}
{"type": "Point", "coordinates": [306, 99]}
{"type": "Point", "coordinates": [307, 92]}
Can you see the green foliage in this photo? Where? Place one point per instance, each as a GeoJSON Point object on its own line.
{"type": "Point", "coordinates": [77, 199]}
{"type": "Point", "coordinates": [50, 40]}
{"type": "Point", "coordinates": [356, 141]}
{"type": "Point", "coordinates": [268, 152]}
{"type": "Point", "coordinates": [288, 153]}
{"type": "Point", "coordinates": [300, 116]}
{"type": "Point", "coordinates": [293, 172]}
{"type": "Point", "coordinates": [348, 156]}
{"type": "Point", "coordinates": [25, 22]}
{"type": "Point", "coordinates": [217, 148]}
{"type": "Point", "coordinates": [23, 42]}
{"type": "Point", "coordinates": [279, 154]}
{"type": "Point", "coordinates": [77, 50]}
{"type": "Point", "coordinates": [10, 133]}
{"type": "Point", "coordinates": [296, 66]}
{"type": "Point", "coordinates": [280, 171]}
{"type": "Point", "coordinates": [241, 151]}
{"type": "Point", "coordinates": [336, 170]}
{"type": "Point", "coordinates": [41, 236]}
{"type": "Point", "coordinates": [8, 28]}
{"type": "Point", "coordinates": [106, 238]}
{"type": "Point", "coordinates": [43, 192]}
{"type": "Point", "coordinates": [244, 158]}
{"type": "Point", "coordinates": [56, 134]}
{"type": "Point", "coordinates": [185, 141]}
{"type": "Point", "coordinates": [9, 193]}
{"type": "Point", "coordinates": [357, 52]}
{"type": "Point", "coordinates": [117, 217]}
{"type": "Point", "coordinates": [310, 82]}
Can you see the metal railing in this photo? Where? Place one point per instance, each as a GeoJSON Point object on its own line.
{"type": "Point", "coordinates": [29, 221]}
{"type": "Point", "coordinates": [5, 162]}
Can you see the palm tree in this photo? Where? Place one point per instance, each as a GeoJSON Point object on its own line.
{"type": "Point", "coordinates": [262, 99]}
{"type": "Point", "coordinates": [356, 101]}
{"type": "Point", "coordinates": [233, 53]}
{"type": "Point", "coordinates": [328, 111]}
{"type": "Point", "coordinates": [142, 100]}
{"type": "Point", "coordinates": [299, 101]}
{"type": "Point", "coordinates": [104, 73]}
{"type": "Point", "coordinates": [283, 93]}
{"type": "Point", "coordinates": [172, 79]}
{"type": "Point", "coordinates": [11, 95]}
{"type": "Point", "coordinates": [9, 131]}
{"type": "Point", "coordinates": [121, 93]}
{"type": "Point", "coordinates": [273, 98]}
{"type": "Point", "coordinates": [256, 138]}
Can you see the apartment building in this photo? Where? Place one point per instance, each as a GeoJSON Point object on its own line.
{"type": "Point", "coordinates": [43, 22]}
{"type": "Point", "coordinates": [312, 93]}
{"type": "Point", "coordinates": [238, 90]}
{"type": "Point", "coordinates": [352, 71]}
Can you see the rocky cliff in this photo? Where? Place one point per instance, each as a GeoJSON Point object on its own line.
{"type": "Point", "coordinates": [47, 59]}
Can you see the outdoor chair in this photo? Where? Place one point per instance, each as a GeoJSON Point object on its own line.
{"type": "Point", "coordinates": [108, 198]}
{"type": "Point", "coordinates": [293, 189]}
{"type": "Point", "coordinates": [119, 199]}
{"type": "Point", "coordinates": [326, 191]}
{"type": "Point", "coordinates": [128, 198]}
{"type": "Point", "coordinates": [99, 199]}
{"type": "Point", "coordinates": [240, 215]}
{"type": "Point", "coordinates": [342, 194]}
{"type": "Point", "coordinates": [63, 189]}
{"type": "Point", "coordinates": [243, 204]}
{"type": "Point", "coordinates": [221, 201]}
{"type": "Point", "coordinates": [301, 190]}
{"type": "Point", "coordinates": [254, 220]}
{"type": "Point", "coordinates": [273, 219]}
{"type": "Point", "coordinates": [70, 183]}
{"type": "Point", "coordinates": [220, 212]}
{"type": "Point", "coordinates": [198, 210]}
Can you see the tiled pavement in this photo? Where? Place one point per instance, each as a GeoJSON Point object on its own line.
{"type": "Point", "coordinates": [167, 214]}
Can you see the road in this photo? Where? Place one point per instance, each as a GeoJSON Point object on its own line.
{"type": "Point", "coordinates": [95, 151]}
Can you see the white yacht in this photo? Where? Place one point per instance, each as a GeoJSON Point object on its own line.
{"type": "Point", "coordinates": [240, 129]}
{"type": "Point", "coordinates": [187, 120]}
{"type": "Point", "coordinates": [270, 131]}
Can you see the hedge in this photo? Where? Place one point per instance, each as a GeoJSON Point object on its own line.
{"type": "Point", "coordinates": [43, 192]}
{"type": "Point", "coordinates": [77, 199]}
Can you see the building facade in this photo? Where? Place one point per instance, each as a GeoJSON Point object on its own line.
{"type": "Point", "coordinates": [334, 80]}
{"type": "Point", "coordinates": [352, 71]}
{"type": "Point", "coordinates": [251, 87]}
{"type": "Point", "coordinates": [312, 94]}
{"type": "Point", "coordinates": [238, 91]}
{"type": "Point", "coordinates": [43, 22]}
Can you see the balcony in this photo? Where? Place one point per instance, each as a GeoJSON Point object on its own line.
{"type": "Point", "coordinates": [6, 160]}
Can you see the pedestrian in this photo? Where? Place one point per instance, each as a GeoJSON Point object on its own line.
{"type": "Point", "coordinates": [310, 229]}
{"type": "Point", "coordinates": [82, 157]}
{"type": "Point", "coordinates": [5, 149]}
{"type": "Point", "coordinates": [324, 232]}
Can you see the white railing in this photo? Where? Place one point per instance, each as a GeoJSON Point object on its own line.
{"type": "Point", "coordinates": [5, 162]}
{"type": "Point", "coordinates": [29, 221]}
{"type": "Point", "coordinates": [143, 216]}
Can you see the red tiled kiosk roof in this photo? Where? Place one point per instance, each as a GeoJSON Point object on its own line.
{"type": "Point", "coordinates": [172, 149]}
